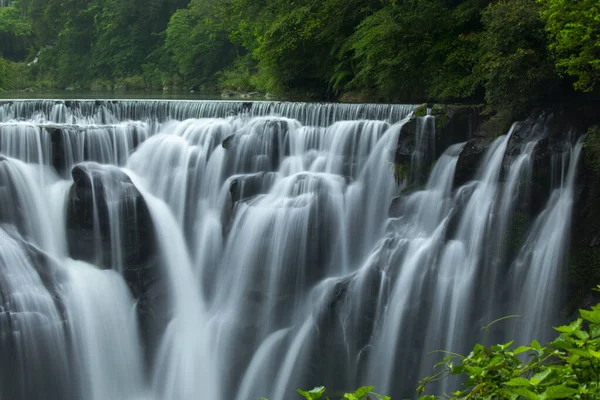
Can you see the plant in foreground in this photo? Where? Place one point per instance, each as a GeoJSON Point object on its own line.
{"type": "Point", "coordinates": [566, 368]}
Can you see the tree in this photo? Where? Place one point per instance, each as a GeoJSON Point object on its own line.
{"type": "Point", "coordinates": [514, 65]}
{"type": "Point", "coordinates": [6, 74]}
{"type": "Point", "coordinates": [573, 27]}
{"type": "Point", "coordinates": [196, 43]}
{"type": "Point", "coordinates": [15, 32]}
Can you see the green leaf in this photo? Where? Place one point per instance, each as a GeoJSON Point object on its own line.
{"type": "Point", "coordinates": [521, 349]}
{"type": "Point", "coordinates": [518, 382]}
{"type": "Point", "coordinates": [562, 329]}
{"type": "Point", "coordinates": [313, 394]}
{"type": "Point", "coordinates": [559, 392]}
{"type": "Point", "coordinates": [526, 393]}
{"type": "Point", "coordinates": [363, 391]}
{"type": "Point", "coordinates": [571, 328]}
{"type": "Point", "coordinates": [562, 344]}
{"type": "Point", "coordinates": [540, 376]}
{"type": "Point", "coordinates": [591, 316]}
{"type": "Point", "coordinates": [595, 354]}
{"type": "Point", "coordinates": [583, 335]}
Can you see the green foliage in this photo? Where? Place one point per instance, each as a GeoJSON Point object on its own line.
{"type": "Point", "coordinates": [389, 50]}
{"type": "Point", "coordinates": [241, 76]}
{"type": "Point", "coordinates": [420, 111]}
{"type": "Point", "coordinates": [313, 394]}
{"type": "Point", "coordinates": [417, 48]}
{"type": "Point", "coordinates": [6, 74]}
{"type": "Point", "coordinates": [566, 368]}
{"type": "Point", "coordinates": [195, 44]}
{"type": "Point", "coordinates": [15, 32]}
{"type": "Point", "coordinates": [362, 393]}
{"type": "Point", "coordinates": [513, 67]}
{"type": "Point", "coordinates": [573, 27]}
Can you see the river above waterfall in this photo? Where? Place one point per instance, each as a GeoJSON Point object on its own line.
{"type": "Point", "coordinates": [183, 249]}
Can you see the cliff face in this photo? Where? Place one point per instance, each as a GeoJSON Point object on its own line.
{"type": "Point", "coordinates": [552, 133]}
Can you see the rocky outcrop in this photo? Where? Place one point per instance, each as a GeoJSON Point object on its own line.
{"type": "Point", "coordinates": [431, 129]}
{"type": "Point", "coordinates": [109, 224]}
{"type": "Point", "coordinates": [584, 270]}
{"type": "Point", "coordinates": [32, 312]}
{"type": "Point", "coordinates": [470, 158]}
{"type": "Point", "coordinates": [553, 133]}
{"type": "Point", "coordinates": [455, 124]}
{"type": "Point", "coordinates": [260, 147]}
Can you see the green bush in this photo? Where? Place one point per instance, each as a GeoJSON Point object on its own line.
{"type": "Point", "coordinates": [7, 74]}
{"type": "Point", "coordinates": [566, 368]}
{"type": "Point", "coordinates": [573, 27]}
{"type": "Point", "coordinates": [514, 66]}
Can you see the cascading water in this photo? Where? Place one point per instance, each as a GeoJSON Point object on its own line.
{"type": "Point", "coordinates": [232, 250]}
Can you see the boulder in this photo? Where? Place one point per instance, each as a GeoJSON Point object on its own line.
{"type": "Point", "coordinates": [428, 133]}
{"type": "Point", "coordinates": [469, 159]}
{"type": "Point", "coordinates": [259, 147]}
{"type": "Point", "coordinates": [107, 216]}
{"type": "Point", "coordinates": [455, 123]}
{"type": "Point", "coordinates": [30, 317]}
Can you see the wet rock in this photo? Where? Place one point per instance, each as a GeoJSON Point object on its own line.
{"type": "Point", "coordinates": [108, 222]}
{"type": "Point", "coordinates": [244, 187]}
{"type": "Point", "coordinates": [406, 146]}
{"type": "Point", "coordinates": [423, 140]}
{"type": "Point", "coordinates": [260, 147]}
{"type": "Point", "coordinates": [348, 304]}
{"type": "Point", "coordinates": [31, 315]}
{"type": "Point", "coordinates": [455, 124]}
{"type": "Point", "coordinates": [553, 135]}
{"type": "Point", "coordinates": [49, 272]}
{"type": "Point", "coordinates": [249, 95]}
{"type": "Point", "coordinates": [469, 159]}
{"type": "Point", "coordinates": [584, 272]}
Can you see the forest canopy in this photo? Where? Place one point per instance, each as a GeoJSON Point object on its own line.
{"type": "Point", "coordinates": [510, 53]}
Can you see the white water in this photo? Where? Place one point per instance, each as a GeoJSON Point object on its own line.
{"type": "Point", "coordinates": [260, 257]}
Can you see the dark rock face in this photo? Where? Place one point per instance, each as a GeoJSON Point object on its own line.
{"type": "Point", "coordinates": [553, 136]}
{"type": "Point", "coordinates": [101, 196]}
{"type": "Point", "coordinates": [10, 211]}
{"type": "Point", "coordinates": [424, 138]}
{"type": "Point", "coordinates": [247, 186]}
{"type": "Point", "coordinates": [260, 148]}
{"type": "Point", "coordinates": [23, 321]}
{"type": "Point", "coordinates": [469, 159]}
{"type": "Point", "coordinates": [455, 124]}
{"type": "Point", "coordinates": [405, 150]}
{"type": "Point", "coordinates": [109, 224]}
{"type": "Point", "coordinates": [585, 253]}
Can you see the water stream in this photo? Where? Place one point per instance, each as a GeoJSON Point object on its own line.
{"type": "Point", "coordinates": [163, 250]}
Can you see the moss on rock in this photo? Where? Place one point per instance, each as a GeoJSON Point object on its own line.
{"type": "Point", "coordinates": [421, 110]}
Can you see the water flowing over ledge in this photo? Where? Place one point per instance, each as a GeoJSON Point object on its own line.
{"type": "Point", "coordinates": [107, 111]}
{"type": "Point", "coordinates": [164, 250]}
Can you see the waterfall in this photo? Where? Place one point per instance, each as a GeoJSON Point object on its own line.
{"type": "Point", "coordinates": [157, 250]}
